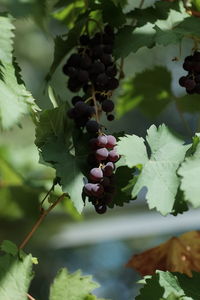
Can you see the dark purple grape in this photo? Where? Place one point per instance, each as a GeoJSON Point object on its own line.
{"type": "Point", "coordinates": [110, 117]}
{"type": "Point", "coordinates": [182, 80]}
{"type": "Point", "coordinates": [102, 79]}
{"type": "Point", "coordinates": [93, 143]}
{"type": "Point", "coordinates": [97, 51]}
{"type": "Point", "coordinates": [196, 56]}
{"type": "Point", "coordinates": [108, 39]}
{"type": "Point", "coordinates": [86, 62]}
{"type": "Point", "coordinates": [80, 108]}
{"type": "Point", "coordinates": [100, 97]}
{"type": "Point", "coordinates": [102, 140]}
{"type": "Point", "coordinates": [97, 68]}
{"type": "Point", "coordinates": [76, 99]}
{"type": "Point", "coordinates": [96, 40]}
{"type": "Point", "coordinates": [188, 65]}
{"type": "Point", "coordinates": [105, 181]}
{"type": "Point", "coordinates": [70, 71]}
{"type": "Point", "coordinates": [111, 141]}
{"type": "Point", "coordinates": [190, 92]}
{"type": "Point", "coordinates": [113, 83]}
{"type": "Point", "coordinates": [97, 190]}
{"type": "Point", "coordinates": [74, 60]}
{"type": "Point", "coordinates": [92, 160]}
{"type": "Point", "coordinates": [84, 39]}
{"type": "Point", "coordinates": [101, 154]}
{"type": "Point", "coordinates": [92, 126]}
{"type": "Point", "coordinates": [113, 156]}
{"type": "Point", "coordinates": [111, 71]}
{"type": "Point", "coordinates": [108, 49]}
{"type": "Point", "coordinates": [96, 174]}
{"type": "Point", "coordinates": [190, 84]}
{"type": "Point", "coordinates": [106, 59]}
{"type": "Point", "coordinates": [107, 105]}
{"type": "Point", "coordinates": [108, 169]}
{"type": "Point", "coordinates": [81, 121]}
{"type": "Point", "coordinates": [197, 78]}
{"type": "Point", "coordinates": [74, 85]}
{"type": "Point", "coordinates": [90, 111]}
{"type": "Point", "coordinates": [197, 67]}
{"type": "Point", "coordinates": [100, 208]}
{"type": "Point", "coordinates": [83, 76]}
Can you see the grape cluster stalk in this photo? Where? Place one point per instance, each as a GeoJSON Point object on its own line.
{"type": "Point", "coordinates": [93, 71]}
{"type": "Point", "coordinates": [191, 82]}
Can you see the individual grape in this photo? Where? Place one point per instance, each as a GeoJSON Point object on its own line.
{"type": "Point", "coordinates": [196, 56]}
{"type": "Point", "coordinates": [102, 140]}
{"type": "Point", "coordinates": [86, 62]}
{"type": "Point", "coordinates": [97, 51]}
{"type": "Point", "coordinates": [100, 208]}
{"type": "Point", "coordinates": [110, 117]}
{"type": "Point", "coordinates": [74, 85]}
{"type": "Point", "coordinates": [88, 188]}
{"type": "Point", "coordinates": [97, 190]}
{"type": "Point", "coordinates": [93, 143]}
{"type": "Point", "coordinates": [107, 105]}
{"type": "Point", "coordinates": [83, 76]}
{"type": "Point", "coordinates": [190, 92]}
{"type": "Point", "coordinates": [111, 71]}
{"type": "Point", "coordinates": [80, 108]}
{"type": "Point", "coordinates": [81, 121]}
{"type": "Point", "coordinates": [90, 111]}
{"type": "Point", "coordinates": [70, 71]}
{"type": "Point", "coordinates": [182, 80]}
{"type": "Point", "coordinates": [96, 174]}
{"type": "Point", "coordinates": [102, 79]}
{"type": "Point", "coordinates": [190, 84]}
{"type": "Point", "coordinates": [84, 39]}
{"type": "Point", "coordinates": [96, 40]}
{"type": "Point", "coordinates": [197, 67]}
{"type": "Point", "coordinates": [100, 97]}
{"type": "Point", "coordinates": [108, 169]}
{"type": "Point", "coordinates": [92, 126]}
{"type": "Point", "coordinates": [97, 68]}
{"type": "Point", "coordinates": [113, 156]}
{"type": "Point", "coordinates": [188, 65]}
{"type": "Point", "coordinates": [105, 181]}
{"type": "Point", "coordinates": [74, 60]}
{"type": "Point", "coordinates": [189, 58]}
{"type": "Point", "coordinates": [197, 78]}
{"type": "Point", "coordinates": [108, 39]}
{"type": "Point", "coordinates": [70, 113]}
{"type": "Point", "coordinates": [113, 83]}
{"type": "Point", "coordinates": [111, 141]}
{"type": "Point", "coordinates": [108, 49]}
{"type": "Point", "coordinates": [106, 59]}
{"type": "Point", "coordinates": [76, 99]}
{"type": "Point", "coordinates": [101, 154]}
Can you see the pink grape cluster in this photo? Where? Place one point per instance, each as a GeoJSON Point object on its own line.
{"type": "Point", "coordinates": [191, 81]}
{"type": "Point", "coordinates": [100, 189]}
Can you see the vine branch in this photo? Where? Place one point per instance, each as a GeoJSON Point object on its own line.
{"type": "Point", "coordinates": [30, 297]}
{"type": "Point", "coordinates": [42, 216]}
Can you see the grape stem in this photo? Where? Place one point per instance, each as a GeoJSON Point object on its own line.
{"type": "Point", "coordinates": [30, 297]}
{"type": "Point", "coordinates": [42, 216]}
{"type": "Point", "coordinates": [95, 105]}
{"type": "Point", "coordinates": [47, 194]}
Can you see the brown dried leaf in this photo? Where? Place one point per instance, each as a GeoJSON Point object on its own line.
{"type": "Point", "coordinates": [179, 254]}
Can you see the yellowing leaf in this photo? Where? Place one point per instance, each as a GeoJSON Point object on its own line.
{"type": "Point", "coordinates": [179, 254]}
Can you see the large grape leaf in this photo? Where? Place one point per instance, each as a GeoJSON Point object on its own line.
{"type": "Point", "coordinates": [190, 173]}
{"type": "Point", "coordinates": [68, 168]}
{"type": "Point", "coordinates": [73, 286]}
{"type": "Point", "coordinates": [110, 9]}
{"type": "Point", "coordinates": [15, 100]}
{"type": "Point", "coordinates": [149, 90]}
{"type": "Point", "coordinates": [15, 277]}
{"type": "Point", "coordinates": [168, 286]}
{"type": "Point", "coordinates": [158, 172]}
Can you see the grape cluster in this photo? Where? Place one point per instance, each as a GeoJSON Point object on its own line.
{"type": "Point", "coordinates": [100, 188]}
{"type": "Point", "coordinates": [93, 70]}
{"type": "Point", "coordinates": [192, 80]}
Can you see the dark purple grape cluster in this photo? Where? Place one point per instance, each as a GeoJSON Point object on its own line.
{"type": "Point", "coordinates": [192, 80]}
{"type": "Point", "coordinates": [100, 189]}
{"type": "Point", "coordinates": [94, 71]}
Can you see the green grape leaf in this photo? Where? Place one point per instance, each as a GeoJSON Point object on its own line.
{"type": "Point", "coordinates": [15, 277]}
{"type": "Point", "coordinates": [73, 286]}
{"type": "Point", "coordinates": [167, 37]}
{"type": "Point", "coordinates": [144, 90]}
{"type": "Point", "coordinates": [15, 100]}
{"type": "Point", "coordinates": [64, 46]}
{"type": "Point", "coordinates": [158, 173]}
{"type": "Point", "coordinates": [68, 168]}
{"type": "Point", "coordinates": [188, 103]}
{"type": "Point", "coordinates": [189, 284]}
{"type": "Point", "coordinates": [122, 176]}
{"type": "Point", "coordinates": [161, 285]}
{"type": "Point", "coordinates": [180, 205]}
{"type": "Point", "coordinates": [129, 40]}
{"type": "Point", "coordinates": [110, 9]}
{"type": "Point", "coordinates": [9, 247]}
{"type": "Point", "coordinates": [196, 4]}
{"type": "Point", "coordinates": [52, 122]}
{"type": "Point", "coordinates": [190, 172]}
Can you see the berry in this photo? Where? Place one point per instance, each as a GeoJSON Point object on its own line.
{"type": "Point", "coordinates": [182, 80]}
{"type": "Point", "coordinates": [100, 208]}
{"type": "Point", "coordinates": [111, 141]}
{"type": "Point", "coordinates": [97, 190]}
{"type": "Point", "coordinates": [108, 169]}
{"type": "Point", "coordinates": [110, 117]}
{"type": "Point", "coordinates": [101, 154]}
{"type": "Point", "coordinates": [96, 174]}
{"type": "Point", "coordinates": [113, 156]}
{"type": "Point", "coordinates": [107, 105]}
{"type": "Point", "coordinates": [190, 84]}
{"type": "Point", "coordinates": [102, 140]}
{"type": "Point", "coordinates": [76, 99]}
{"type": "Point", "coordinates": [83, 76]}
{"type": "Point", "coordinates": [92, 126]}
{"type": "Point", "coordinates": [113, 83]}
{"type": "Point", "coordinates": [84, 39]}
{"type": "Point", "coordinates": [88, 188]}
{"type": "Point", "coordinates": [74, 60]}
